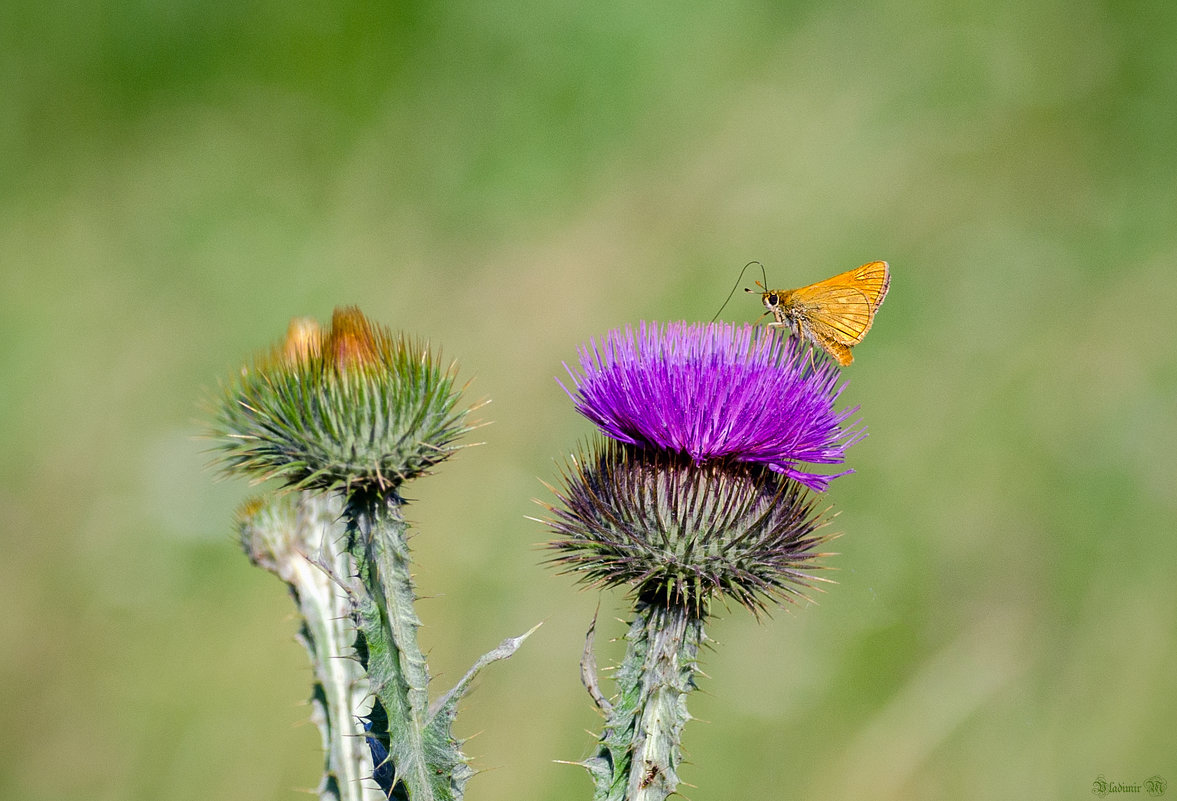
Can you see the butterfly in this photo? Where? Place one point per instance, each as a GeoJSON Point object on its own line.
{"type": "Point", "coordinates": [833, 314]}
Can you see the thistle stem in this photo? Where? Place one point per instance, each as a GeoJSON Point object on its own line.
{"type": "Point", "coordinates": [329, 637]}
{"type": "Point", "coordinates": [298, 537]}
{"type": "Point", "coordinates": [396, 666]}
{"type": "Point", "coordinates": [641, 745]}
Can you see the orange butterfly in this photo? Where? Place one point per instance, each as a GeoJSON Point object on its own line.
{"type": "Point", "coordinates": [833, 314]}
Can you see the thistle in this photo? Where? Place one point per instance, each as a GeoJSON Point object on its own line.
{"type": "Point", "coordinates": [343, 418]}
{"type": "Point", "coordinates": [698, 493]}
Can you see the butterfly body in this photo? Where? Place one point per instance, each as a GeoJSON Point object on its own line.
{"type": "Point", "coordinates": [833, 314]}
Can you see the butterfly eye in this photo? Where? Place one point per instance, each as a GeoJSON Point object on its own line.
{"type": "Point", "coordinates": [773, 299]}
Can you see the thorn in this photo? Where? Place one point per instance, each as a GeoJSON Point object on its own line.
{"type": "Point", "coordinates": [588, 668]}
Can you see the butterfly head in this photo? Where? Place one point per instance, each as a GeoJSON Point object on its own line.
{"type": "Point", "coordinates": [771, 298]}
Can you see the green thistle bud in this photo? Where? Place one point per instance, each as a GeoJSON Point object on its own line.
{"type": "Point", "coordinates": [353, 406]}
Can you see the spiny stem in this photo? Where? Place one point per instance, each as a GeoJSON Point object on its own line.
{"type": "Point", "coordinates": [640, 748]}
{"type": "Point", "coordinates": [328, 623]}
{"type": "Point", "coordinates": [297, 536]}
{"type": "Point", "coordinates": [667, 676]}
{"type": "Point", "coordinates": [396, 666]}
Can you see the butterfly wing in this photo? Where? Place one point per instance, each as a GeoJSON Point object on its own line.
{"type": "Point", "coordinates": [843, 314]}
{"type": "Point", "coordinates": [835, 348]}
{"type": "Point", "coordinates": [842, 308]}
{"type": "Point", "coordinates": [874, 279]}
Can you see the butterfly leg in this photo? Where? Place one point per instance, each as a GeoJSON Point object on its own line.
{"type": "Point", "coordinates": [810, 367]}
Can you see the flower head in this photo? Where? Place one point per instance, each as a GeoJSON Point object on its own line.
{"type": "Point", "coordinates": [716, 391]}
{"type": "Point", "coordinates": [355, 405]}
{"type": "Point", "coordinates": [680, 533]}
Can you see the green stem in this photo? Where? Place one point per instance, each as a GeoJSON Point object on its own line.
{"type": "Point", "coordinates": [396, 667]}
{"type": "Point", "coordinates": [354, 590]}
{"type": "Point", "coordinates": [641, 748]}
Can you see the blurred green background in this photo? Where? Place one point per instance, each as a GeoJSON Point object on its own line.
{"type": "Point", "coordinates": [177, 180]}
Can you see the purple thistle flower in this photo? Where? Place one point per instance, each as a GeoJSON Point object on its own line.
{"type": "Point", "coordinates": [716, 391]}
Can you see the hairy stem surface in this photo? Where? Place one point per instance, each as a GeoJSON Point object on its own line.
{"type": "Point", "coordinates": [641, 748]}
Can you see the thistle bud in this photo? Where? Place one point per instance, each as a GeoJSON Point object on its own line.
{"type": "Point", "coordinates": [355, 405]}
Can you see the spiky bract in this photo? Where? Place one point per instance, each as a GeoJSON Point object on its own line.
{"type": "Point", "coordinates": [680, 533]}
{"type": "Point", "coordinates": [353, 406]}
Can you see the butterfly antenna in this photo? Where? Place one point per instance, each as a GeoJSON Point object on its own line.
{"type": "Point", "coordinates": [736, 286]}
{"type": "Point", "coordinates": [763, 275]}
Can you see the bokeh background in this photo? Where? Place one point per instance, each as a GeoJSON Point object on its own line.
{"type": "Point", "coordinates": [177, 180]}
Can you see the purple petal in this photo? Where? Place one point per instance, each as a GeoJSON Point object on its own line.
{"type": "Point", "coordinates": [716, 391]}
